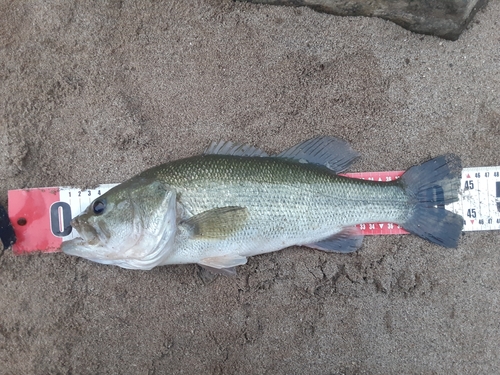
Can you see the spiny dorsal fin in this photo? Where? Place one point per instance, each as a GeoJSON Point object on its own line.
{"type": "Point", "coordinates": [330, 152]}
{"type": "Point", "coordinates": [233, 149]}
{"type": "Point", "coordinates": [217, 223]}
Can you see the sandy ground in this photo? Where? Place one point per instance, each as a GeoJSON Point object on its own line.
{"type": "Point", "coordinates": [94, 93]}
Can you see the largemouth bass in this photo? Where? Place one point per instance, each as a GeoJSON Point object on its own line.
{"type": "Point", "coordinates": [236, 201]}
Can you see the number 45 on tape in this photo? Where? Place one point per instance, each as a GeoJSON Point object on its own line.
{"type": "Point", "coordinates": [41, 217]}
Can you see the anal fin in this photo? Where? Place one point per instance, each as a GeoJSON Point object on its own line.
{"type": "Point", "coordinates": [347, 240]}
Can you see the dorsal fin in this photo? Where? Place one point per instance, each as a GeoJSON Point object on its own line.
{"type": "Point", "coordinates": [234, 149]}
{"type": "Point", "coordinates": [330, 152]}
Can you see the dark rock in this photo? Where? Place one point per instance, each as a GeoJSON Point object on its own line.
{"type": "Point", "coordinates": [443, 18]}
{"type": "Point", "coordinates": [7, 235]}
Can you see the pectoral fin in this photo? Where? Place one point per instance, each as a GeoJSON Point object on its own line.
{"type": "Point", "coordinates": [347, 240]}
{"type": "Point", "coordinates": [231, 271]}
{"type": "Point", "coordinates": [217, 223]}
{"type": "Point", "coordinates": [223, 262]}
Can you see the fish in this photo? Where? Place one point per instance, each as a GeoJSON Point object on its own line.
{"type": "Point", "coordinates": [235, 201]}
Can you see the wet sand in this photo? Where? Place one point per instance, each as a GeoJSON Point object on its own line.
{"type": "Point", "coordinates": [95, 93]}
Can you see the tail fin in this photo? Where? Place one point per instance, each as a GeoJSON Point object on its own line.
{"type": "Point", "coordinates": [430, 186]}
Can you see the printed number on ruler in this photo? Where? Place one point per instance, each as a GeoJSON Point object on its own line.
{"type": "Point", "coordinates": [373, 229]}
{"type": "Point", "coordinates": [479, 202]}
{"type": "Point", "coordinates": [72, 202]}
{"type": "Point", "coordinates": [41, 217]}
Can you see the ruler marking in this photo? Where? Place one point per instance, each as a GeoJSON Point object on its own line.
{"type": "Point", "coordinates": [478, 204]}
{"type": "Point", "coordinates": [497, 200]}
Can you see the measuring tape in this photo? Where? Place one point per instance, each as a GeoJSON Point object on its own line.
{"type": "Point", "coordinates": [41, 216]}
{"type": "Point", "coordinates": [478, 203]}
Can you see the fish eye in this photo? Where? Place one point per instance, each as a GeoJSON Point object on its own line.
{"type": "Point", "coordinates": [99, 206]}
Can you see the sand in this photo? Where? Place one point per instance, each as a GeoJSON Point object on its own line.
{"type": "Point", "coordinates": [97, 92]}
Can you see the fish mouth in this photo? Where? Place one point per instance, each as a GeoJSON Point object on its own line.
{"type": "Point", "coordinates": [88, 234]}
{"type": "Point", "coordinates": [83, 245]}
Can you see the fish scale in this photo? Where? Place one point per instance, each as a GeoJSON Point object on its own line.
{"type": "Point", "coordinates": [235, 201]}
{"type": "Point", "coordinates": [479, 204]}
{"type": "Point", "coordinates": [289, 202]}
